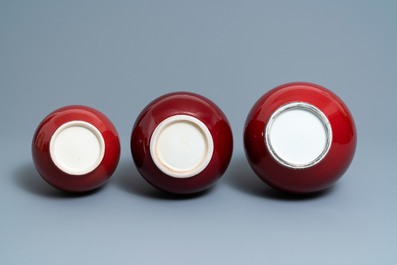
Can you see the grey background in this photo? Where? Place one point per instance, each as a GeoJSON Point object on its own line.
{"type": "Point", "coordinates": [117, 56]}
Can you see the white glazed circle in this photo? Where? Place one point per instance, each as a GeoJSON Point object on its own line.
{"type": "Point", "coordinates": [181, 146]}
{"type": "Point", "coordinates": [298, 135]}
{"type": "Point", "coordinates": [77, 148]}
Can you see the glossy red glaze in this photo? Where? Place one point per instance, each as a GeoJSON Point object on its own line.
{"type": "Point", "coordinates": [318, 176]}
{"type": "Point", "coordinates": [182, 103]}
{"type": "Point", "coordinates": [55, 176]}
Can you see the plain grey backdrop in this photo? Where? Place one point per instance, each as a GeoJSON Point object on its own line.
{"type": "Point", "coordinates": [117, 56]}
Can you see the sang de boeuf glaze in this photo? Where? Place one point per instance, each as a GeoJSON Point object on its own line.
{"type": "Point", "coordinates": [181, 143]}
{"type": "Point", "coordinates": [76, 148]}
{"type": "Point", "coordinates": [300, 137]}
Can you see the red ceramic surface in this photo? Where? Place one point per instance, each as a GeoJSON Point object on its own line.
{"type": "Point", "coordinates": [319, 175]}
{"type": "Point", "coordinates": [59, 175]}
{"type": "Point", "coordinates": [166, 108]}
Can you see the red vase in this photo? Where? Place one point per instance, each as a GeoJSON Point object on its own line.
{"type": "Point", "coordinates": [181, 143]}
{"type": "Point", "coordinates": [300, 137]}
{"type": "Point", "coordinates": [76, 148]}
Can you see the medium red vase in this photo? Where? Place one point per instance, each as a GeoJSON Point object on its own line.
{"type": "Point", "coordinates": [181, 143]}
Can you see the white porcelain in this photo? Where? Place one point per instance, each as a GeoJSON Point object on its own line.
{"type": "Point", "coordinates": [77, 147]}
{"type": "Point", "coordinates": [298, 135]}
{"type": "Point", "coordinates": [181, 146]}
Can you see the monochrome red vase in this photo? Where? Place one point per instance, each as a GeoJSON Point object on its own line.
{"type": "Point", "coordinates": [181, 143]}
{"type": "Point", "coordinates": [76, 148]}
{"type": "Point", "coordinates": [300, 138]}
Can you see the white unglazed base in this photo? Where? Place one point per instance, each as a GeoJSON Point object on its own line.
{"type": "Point", "coordinates": [77, 147]}
{"type": "Point", "coordinates": [181, 146]}
{"type": "Point", "coordinates": [298, 135]}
